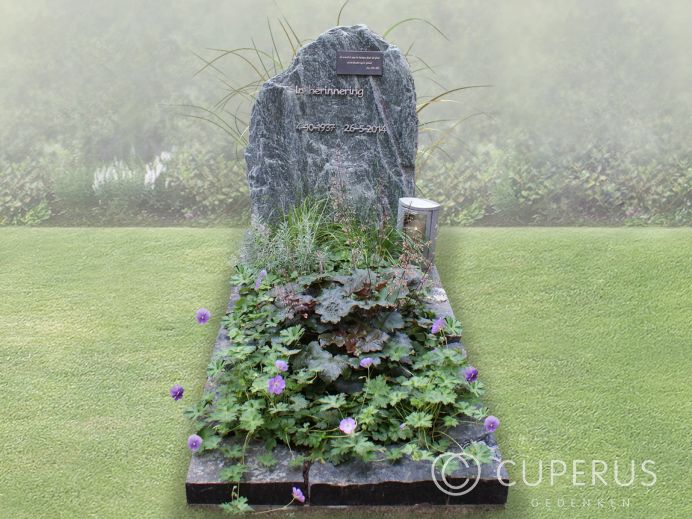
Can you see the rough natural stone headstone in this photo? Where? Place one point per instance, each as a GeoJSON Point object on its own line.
{"type": "Point", "coordinates": [288, 160]}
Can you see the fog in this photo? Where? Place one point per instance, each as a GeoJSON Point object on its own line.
{"type": "Point", "coordinates": [107, 80]}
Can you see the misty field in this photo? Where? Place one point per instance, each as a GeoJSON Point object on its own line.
{"type": "Point", "coordinates": [582, 337]}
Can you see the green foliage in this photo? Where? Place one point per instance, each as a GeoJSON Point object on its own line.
{"type": "Point", "coordinates": [480, 452]}
{"type": "Point", "coordinates": [237, 506]}
{"type": "Point", "coordinates": [72, 181]}
{"type": "Point", "coordinates": [521, 183]}
{"type": "Point", "coordinates": [119, 189]}
{"type": "Point", "coordinates": [453, 327]}
{"type": "Point", "coordinates": [294, 245]}
{"type": "Point", "coordinates": [316, 359]}
{"type": "Point", "coordinates": [190, 184]}
{"type": "Point", "coordinates": [322, 325]}
{"type": "Point", "coordinates": [193, 184]}
{"type": "Point", "coordinates": [322, 320]}
{"type": "Point", "coordinates": [319, 236]}
{"type": "Point", "coordinates": [36, 214]}
{"type": "Point", "coordinates": [233, 473]}
{"type": "Point", "coordinates": [24, 193]}
{"type": "Point", "coordinates": [513, 285]}
{"type": "Point", "coordinates": [267, 460]}
{"type": "Point", "coordinates": [200, 183]}
{"type": "Point", "coordinates": [61, 123]}
{"type": "Point", "coordinates": [496, 184]}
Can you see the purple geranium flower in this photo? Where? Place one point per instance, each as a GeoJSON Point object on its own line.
{"type": "Point", "coordinates": [177, 392]}
{"type": "Point", "coordinates": [194, 442]}
{"type": "Point", "coordinates": [262, 274]}
{"type": "Point", "coordinates": [347, 425]}
{"type": "Point", "coordinates": [366, 362]}
{"type": "Point", "coordinates": [491, 423]}
{"type": "Point", "coordinates": [470, 374]}
{"type": "Point", "coordinates": [298, 495]}
{"type": "Point", "coordinates": [277, 385]}
{"type": "Point", "coordinates": [281, 365]}
{"type": "Point", "coordinates": [438, 325]}
{"type": "Point", "coordinates": [203, 315]}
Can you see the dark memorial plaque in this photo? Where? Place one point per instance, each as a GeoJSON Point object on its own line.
{"type": "Point", "coordinates": [359, 63]}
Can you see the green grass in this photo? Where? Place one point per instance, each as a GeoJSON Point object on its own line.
{"type": "Point", "coordinates": [582, 336]}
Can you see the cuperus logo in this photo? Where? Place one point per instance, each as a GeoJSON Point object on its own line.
{"type": "Point", "coordinates": [440, 469]}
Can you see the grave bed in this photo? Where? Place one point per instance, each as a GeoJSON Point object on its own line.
{"type": "Point", "coordinates": [353, 483]}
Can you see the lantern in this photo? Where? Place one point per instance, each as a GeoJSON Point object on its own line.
{"type": "Point", "coordinates": [417, 218]}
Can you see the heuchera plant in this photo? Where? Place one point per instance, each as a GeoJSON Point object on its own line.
{"type": "Point", "coordinates": [337, 366]}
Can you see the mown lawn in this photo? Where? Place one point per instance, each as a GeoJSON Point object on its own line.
{"type": "Point", "coordinates": [583, 337]}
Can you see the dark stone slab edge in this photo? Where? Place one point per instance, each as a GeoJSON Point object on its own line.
{"type": "Point", "coordinates": [330, 486]}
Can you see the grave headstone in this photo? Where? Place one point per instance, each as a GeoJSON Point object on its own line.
{"type": "Point", "coordinates": [340, 120]}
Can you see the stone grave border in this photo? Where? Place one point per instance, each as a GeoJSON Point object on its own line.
{"type": "Point", "coordinates": [406, 483]}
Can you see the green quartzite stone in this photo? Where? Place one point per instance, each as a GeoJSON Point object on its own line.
{"type": "Point", "coordinates": [370, 166]}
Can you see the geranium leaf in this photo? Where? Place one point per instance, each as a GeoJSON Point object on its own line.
{"type": "Point", "coordinates": [233, 473]}
{"type": "Point", "coordinates": [419, 420]}
{"type": "Point", "coordinates": [299, 403]}
{"type": "Point", "coordinates": [267, 460]}
{"type": "Point", "coordinates": [398, 347]}
{"type": "Point", "coordinates": [332, 402]}
{"type": "Point", "coordinates": [480, 452]}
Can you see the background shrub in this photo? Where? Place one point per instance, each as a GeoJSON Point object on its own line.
{"type": "Point", "coordinates": [593, 130]}
{"type": "Point", "coordinates": [517, 183]}
{"type": "Point", "coordinates": [24, 193]}
{"type": "Point", "coordinates": [511, 183]}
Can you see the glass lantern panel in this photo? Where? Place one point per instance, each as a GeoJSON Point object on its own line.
{"type": "Point", "coordinates": [415, 225]}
